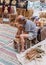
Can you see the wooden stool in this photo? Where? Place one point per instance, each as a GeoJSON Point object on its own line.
{"type": "Point", "coordinates": [29, 43]}
{"type": "Point", "coordinates": [17, 44]}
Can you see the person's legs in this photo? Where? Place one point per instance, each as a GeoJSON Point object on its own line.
{"type": "Point", "coordinates": [22, 37]}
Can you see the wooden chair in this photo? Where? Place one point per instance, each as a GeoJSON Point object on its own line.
{"type": "Point", "coordinates": [42, 15]}
{"type": "Point", "coordinates": [17, 44]}
{"type": "Point", "coordinates": [28, 13]}
{"type": "Point", "coordinates": [23, 12]}
{"type": "Point", "coordinates": [0, 11]}
{"type": "Point", "coordinates": [1, 20]}
{"type": "Point", "coordinates": [12, 17]}
{"type": "Point", "coordinates": [28, 43]}
{"type": "Point", "coordinates": [18, 11]}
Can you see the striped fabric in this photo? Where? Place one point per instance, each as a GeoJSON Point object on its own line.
{"type": "Point", "coordinates": [7, 33]}
{"type": "Point", "coordinates": [7, 51]}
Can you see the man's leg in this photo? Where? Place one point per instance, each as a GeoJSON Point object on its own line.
{"type": "Point", "coordinates": [22, 37]}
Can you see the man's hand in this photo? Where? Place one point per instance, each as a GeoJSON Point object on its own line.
{"type": "Point", "coordinates": [18, 25]}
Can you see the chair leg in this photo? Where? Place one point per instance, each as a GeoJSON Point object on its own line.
{"type": "Point", "coordinates": [15, 45]}
{"type": "Point", "coordinates": [18, 47]}
{"type": "Point", "coordinates": [25, 45]}
{"type": "Point", "coordinates": [35, 41]}
{"type": "Point", "coordinates": [28, 44]}
{"type": "Point", "coordinates": [31, 43]}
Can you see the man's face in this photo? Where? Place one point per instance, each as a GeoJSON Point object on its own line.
{"type": "Point", "coordinates": [20, 21]}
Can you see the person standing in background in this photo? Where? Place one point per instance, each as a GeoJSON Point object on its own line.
{"type": "Point", "coordinates": [17, 1]}
{"type": "Point", "coordinates": [13, 6]}
{"type": "Point", "coordinates": [13, 3]}
{"type": "Point", "coordinates": [5, 3]}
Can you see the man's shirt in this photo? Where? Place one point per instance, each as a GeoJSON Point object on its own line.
{"type": "Point", "coordinates": [30, 27]}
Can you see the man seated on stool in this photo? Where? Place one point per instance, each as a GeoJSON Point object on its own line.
{"type": "Point", "coordinates": [29, 28]}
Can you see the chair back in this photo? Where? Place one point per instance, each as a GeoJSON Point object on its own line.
{"type": "Point", "coordinates": [0, 11]}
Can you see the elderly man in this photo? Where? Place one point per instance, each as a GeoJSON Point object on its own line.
{"type": "Point", "coordinates": [29, 29]}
